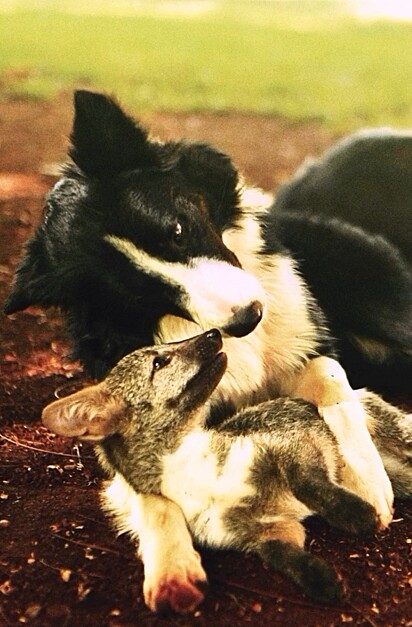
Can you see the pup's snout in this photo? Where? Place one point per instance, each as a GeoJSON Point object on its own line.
{"type": "Point", "coordinates": [202, 347]}
{"type": "Point", "coordinates": [208, 344]}
{"type": "Point", "coordinates": [214, 336]}
{"type": "Point", "coordinates": [245, 319]}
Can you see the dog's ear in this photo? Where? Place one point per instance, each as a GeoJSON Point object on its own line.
{"type": "Point", "coordinates": [212, 171]}
{"type": "Point", "coordinates": [106, 141]}
{"type": "Point", "coordinates": [90, 414]}
{"type": "Point", "coordinates": [32, 284]}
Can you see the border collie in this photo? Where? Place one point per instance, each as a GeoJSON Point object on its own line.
{"type": "Point", "coordinates": [146, 242]}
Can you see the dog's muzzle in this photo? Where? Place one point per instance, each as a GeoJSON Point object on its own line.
{"type": "Point", "coordinates": [244, 320]}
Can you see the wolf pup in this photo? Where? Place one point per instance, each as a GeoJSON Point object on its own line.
{"type": "Point", "coordinates": [245, 485]}
{"type": "Point", "coordinates": [144, 242]}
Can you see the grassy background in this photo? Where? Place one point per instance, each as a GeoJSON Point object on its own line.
{"type": "Point", "coordinates": [305, 60]}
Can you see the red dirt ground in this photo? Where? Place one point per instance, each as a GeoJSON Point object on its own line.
{"type": "Point", "coordinates": [60, 561]}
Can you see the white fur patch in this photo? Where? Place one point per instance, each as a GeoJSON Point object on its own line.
{"type": "Point", "coordinates": [363, 471]}
{"type": "Point", "coordinates": [324, 383]}
{"type": "Point", "coordinates": [124, 504]}
{"type": "Point", "coordinates": [203, 488]}
{"type": "Point", "coordinates": [254, 198]}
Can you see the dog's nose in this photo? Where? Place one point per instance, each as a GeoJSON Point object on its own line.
{"type": "Point", "coordinates": [245, 319]}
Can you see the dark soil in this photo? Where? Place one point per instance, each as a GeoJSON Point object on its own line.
{"type": "Point", "coordinates": [60, 561]}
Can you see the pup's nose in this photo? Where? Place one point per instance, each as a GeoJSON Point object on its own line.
{"type": "Point", "coordinates": [206, 345]}
{"type": "Point", "coordinates": [245, 319]}
{"type": "Point", "coordinates": [214, 335]}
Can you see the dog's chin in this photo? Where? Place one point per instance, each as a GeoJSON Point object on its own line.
{"type": "Point", "coordinates": [237, 331]}
{"type": "Point", "coordinates": [244, 321]}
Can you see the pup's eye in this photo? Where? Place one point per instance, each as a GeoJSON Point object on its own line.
{"type": "Point", "coordinates": [178, 233]}
{"type": "Point", "coordinates": [160, 361]}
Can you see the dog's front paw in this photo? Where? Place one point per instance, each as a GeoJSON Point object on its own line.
{"type": "Point", "coordinates": [176, 586]}
{"type": "Point", "coordinates": [371, 484]}
{"type": "Point", "coordinates": [363, 471]}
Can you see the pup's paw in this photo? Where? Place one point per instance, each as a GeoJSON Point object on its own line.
{"type": "Point", "coordinates": [320, 582]}
{"type": "Point", "coordinates": [351, 513]}
{"type": "Point", "coordinates": [177, 586]}
{"type": "Point", "coordinates": [363, 470]}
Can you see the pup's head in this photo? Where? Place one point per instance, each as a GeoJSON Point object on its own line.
{"type": "Point", "coordinates": [136, 226]}
{"type": "Point", "coordinates": [148, 389]}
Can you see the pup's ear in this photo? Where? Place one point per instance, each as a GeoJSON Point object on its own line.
{"type": "Point", "coordinates": [91, 414]}
{"type": "Point", "coordinates": [214, 173]}
{"type": "Point", "coordinates": [106, 141]}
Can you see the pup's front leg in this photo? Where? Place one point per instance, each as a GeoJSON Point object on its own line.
{"type": "Point", "coordinates": [174, 577]}
{"type": "Point", "coordinates": [323, 382]}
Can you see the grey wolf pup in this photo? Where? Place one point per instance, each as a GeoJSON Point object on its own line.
{"type": "Point", "coordinates": [246, 484]}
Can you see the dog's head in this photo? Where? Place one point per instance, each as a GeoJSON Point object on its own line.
{"type": "Point", "coordinates": [134, 231]}
{"type": "Point", "coordinates": [152, 388]}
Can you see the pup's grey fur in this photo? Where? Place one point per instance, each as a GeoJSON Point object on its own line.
{"type": "Point", "coordinates": [246, 484]}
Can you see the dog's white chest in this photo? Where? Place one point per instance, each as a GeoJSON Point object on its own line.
{"type": "Point", "coordinates": [203, 487]}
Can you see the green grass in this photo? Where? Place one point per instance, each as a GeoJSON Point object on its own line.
{"type": "Point", "coordinates": [302, 60]}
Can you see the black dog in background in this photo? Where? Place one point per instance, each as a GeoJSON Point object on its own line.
{"type": "Point", "coordinates": [347, 218]}
{"type": "Point", "coordinates": [365, 180]}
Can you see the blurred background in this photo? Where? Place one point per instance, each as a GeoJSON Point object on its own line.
{"type": "Point", "coordinates": [342, 63]}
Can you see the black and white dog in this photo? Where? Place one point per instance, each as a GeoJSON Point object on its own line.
{"type": "Point", "coordinates": [347, 217]}
{"type": "Point", "coordinates": [147, 242]}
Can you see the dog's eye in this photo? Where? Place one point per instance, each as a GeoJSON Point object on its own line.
{"type": "Point", "coordinates": [178, 233]}
{"type": "Point", "coordinates": [160, 361]}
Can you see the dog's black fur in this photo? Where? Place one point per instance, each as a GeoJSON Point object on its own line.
{"type": "Point", "coordinates": [364, 287]}
{"type": "Point", "coordinates": [122, 183]}
{"type": "Point", "coordinates": [365, 179]}
{"type": "Point", "coordinates": [174, 201]}
{"type": "Point", "coordinates": [347, 218]}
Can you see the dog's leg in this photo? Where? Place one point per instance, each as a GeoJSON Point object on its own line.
{"type": "Point", "coordinates": [391, 431]}
{"type": "Point", "coordinates": [323, 382]}
{"type": "Point", "coordinates": [174, 577]}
